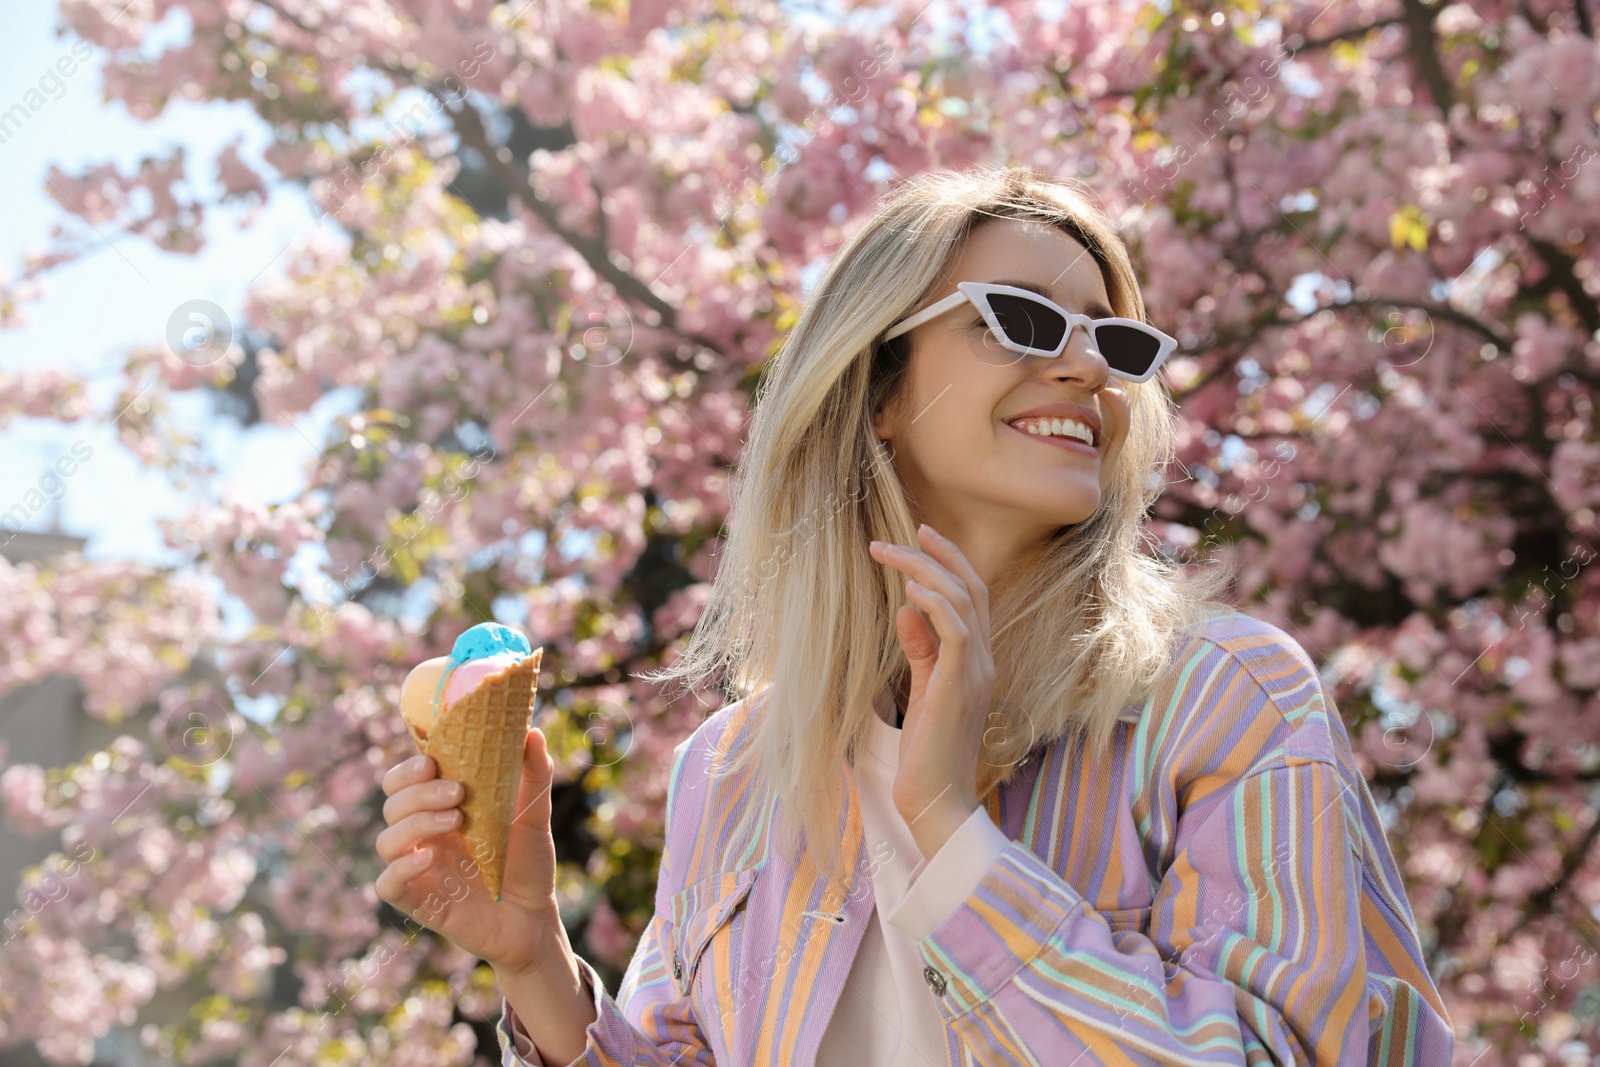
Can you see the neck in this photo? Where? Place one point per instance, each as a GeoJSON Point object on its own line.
{"type": "Point", "coordinates": [998, 544]}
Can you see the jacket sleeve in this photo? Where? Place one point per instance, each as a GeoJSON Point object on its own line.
{"type": "Point", "coordinates": [1254, 953]}
{"type": "Point", "coordinates": [649, 1023]}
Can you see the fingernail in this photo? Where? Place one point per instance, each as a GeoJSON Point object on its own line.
{"type": "Point", "coordinates": [445, 818]}
{"type": "Point", "coordinates": [419, 763]}
{"type": "Point", "coordinates": [448, 789]}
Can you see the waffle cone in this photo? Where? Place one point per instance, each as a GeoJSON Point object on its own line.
{"type": "Point", "coordinates": [478, 741]}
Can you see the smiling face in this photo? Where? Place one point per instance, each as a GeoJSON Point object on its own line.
{"type": "Point", "coordinates": [970, 474]}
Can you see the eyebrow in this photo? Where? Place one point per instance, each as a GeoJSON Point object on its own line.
{"type": "Point", "coordinates": [1095, 309]}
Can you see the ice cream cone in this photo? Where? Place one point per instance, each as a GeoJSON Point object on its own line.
{"type": "Point", "coordinates": [478, 741]}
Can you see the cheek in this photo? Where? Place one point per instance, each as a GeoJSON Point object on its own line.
{"type": "Point", "coordinates": [956, 394]}
{"type": "Point", "coordinates": [938, 363]}
{"type": "Point", "coordinates": [1118, 410]}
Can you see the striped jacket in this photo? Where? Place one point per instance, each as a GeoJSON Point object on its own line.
{"type": "Point", "coordinates": [1220, 891]}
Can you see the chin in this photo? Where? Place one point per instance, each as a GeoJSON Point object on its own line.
{"type": "Point", "coordinates": [1067, 517]}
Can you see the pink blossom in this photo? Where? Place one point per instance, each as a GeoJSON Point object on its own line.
{"type": "Point", "coordinates": [1375, 465]}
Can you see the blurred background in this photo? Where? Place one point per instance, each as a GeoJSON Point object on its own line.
{"type": "Point", "coordinates": [329, 328]}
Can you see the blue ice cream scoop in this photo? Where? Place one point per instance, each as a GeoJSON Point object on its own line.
{"type": "Point", "coordinates": [479, 642]}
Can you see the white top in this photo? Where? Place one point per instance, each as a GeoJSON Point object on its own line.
{"type": "Point", "coordinates": [887, 1015]}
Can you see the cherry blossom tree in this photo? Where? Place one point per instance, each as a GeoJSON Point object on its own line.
{"type": "Point", "coordinates": [556, 242]}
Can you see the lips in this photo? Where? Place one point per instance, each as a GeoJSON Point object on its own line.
{"type": "Point", "coordinates": [1061, 410]}
{"type": "Point", "coordinates": [1021, 425]}
{"type": "Point", "coordinates": [1071, 444]}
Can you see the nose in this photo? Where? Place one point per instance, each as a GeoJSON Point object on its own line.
{"type": "Point", "coordinates": [1080, 362]}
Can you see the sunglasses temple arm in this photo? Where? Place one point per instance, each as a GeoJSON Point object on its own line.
{"type": "Point", "coordinates": [931, 311]}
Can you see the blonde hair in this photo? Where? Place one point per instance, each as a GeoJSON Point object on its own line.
{"type": "Point", "coordinates": [801, 616]}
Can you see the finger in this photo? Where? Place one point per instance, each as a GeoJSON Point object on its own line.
{"type": "Point", "coordinates": [397, 876]}
{"type": "Point", "coordinates": [407, 772]}
{"type": "Point", "coordinates": [533, 786]}
{"type": "Point", "coordinates": [916, 633]}
{"type": "Point", "coordinates": [915, 630]}
{"type": "Point", "coordinates": [435, 795]}
{"type": "Point", "coordinates": [930, 573]}
{"type": "Point", "coordinates": [946, 620]}
{"type": "Point", "coordinates": [394, 879]}
{"type": "Point", "coordinates": [404, 835]}
{"type": "Point", "coordinates": [950, 554]}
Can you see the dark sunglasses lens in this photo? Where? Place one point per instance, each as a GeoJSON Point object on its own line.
{"type": "Point", "coordinates": [1028, 322]}
{"type": "Point", "coordinates": [1127, 349]}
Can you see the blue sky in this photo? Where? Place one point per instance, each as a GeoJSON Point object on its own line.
{"type": "Point", "coordinates": [121, 293]}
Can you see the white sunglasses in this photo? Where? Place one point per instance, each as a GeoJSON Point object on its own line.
{"type": "Point", "coordinates": [1028, 323]}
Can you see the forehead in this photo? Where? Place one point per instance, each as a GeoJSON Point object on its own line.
{"type": "Point", "coordinates": [1032, 251]}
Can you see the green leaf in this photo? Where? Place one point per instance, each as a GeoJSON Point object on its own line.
{"type": "Point", "coordinates": [1409, 226]}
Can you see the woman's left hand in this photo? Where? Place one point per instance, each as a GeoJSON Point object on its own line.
{"type": "Point", "coordinates": [952, 680]}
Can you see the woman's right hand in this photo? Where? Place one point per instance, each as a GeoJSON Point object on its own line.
{"type": "Point", "coordinates": [432, 877]}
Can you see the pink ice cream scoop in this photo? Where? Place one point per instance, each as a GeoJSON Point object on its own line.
{"type": "Point", "coordinates": [464, 677]}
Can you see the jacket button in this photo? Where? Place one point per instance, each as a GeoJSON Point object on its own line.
{"type": "Point", "coordinates": [934, 979]}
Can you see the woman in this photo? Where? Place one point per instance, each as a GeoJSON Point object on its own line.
{"type": "Point", "coordinates": [1069, 808]}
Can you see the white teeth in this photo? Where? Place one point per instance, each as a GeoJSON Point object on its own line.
{"type": "Point", "coordinates": [1058, 427]}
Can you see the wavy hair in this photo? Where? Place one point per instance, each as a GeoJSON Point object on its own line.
{"type": "Point", "coordinates": [802, 617]}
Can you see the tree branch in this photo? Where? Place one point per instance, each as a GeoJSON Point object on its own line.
{"type": "Point", "coordinates": [1541, 901]}
{"type": "Point", "coordinates": [1563, 277]}
{"type": "Point", "coordinates": [469, 128]}
{"type": "Point", "coordinates": [1419, 18]}
{"type": "Point", "coordinates": [1345, 35]}
{"type": "Point", "coordinates": [1442, 311]}
{"type": "Point", "coordinates": [1304, 46]}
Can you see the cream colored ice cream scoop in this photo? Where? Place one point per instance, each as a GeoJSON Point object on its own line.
{"type": "Point", "coordinates": [422, 696]}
